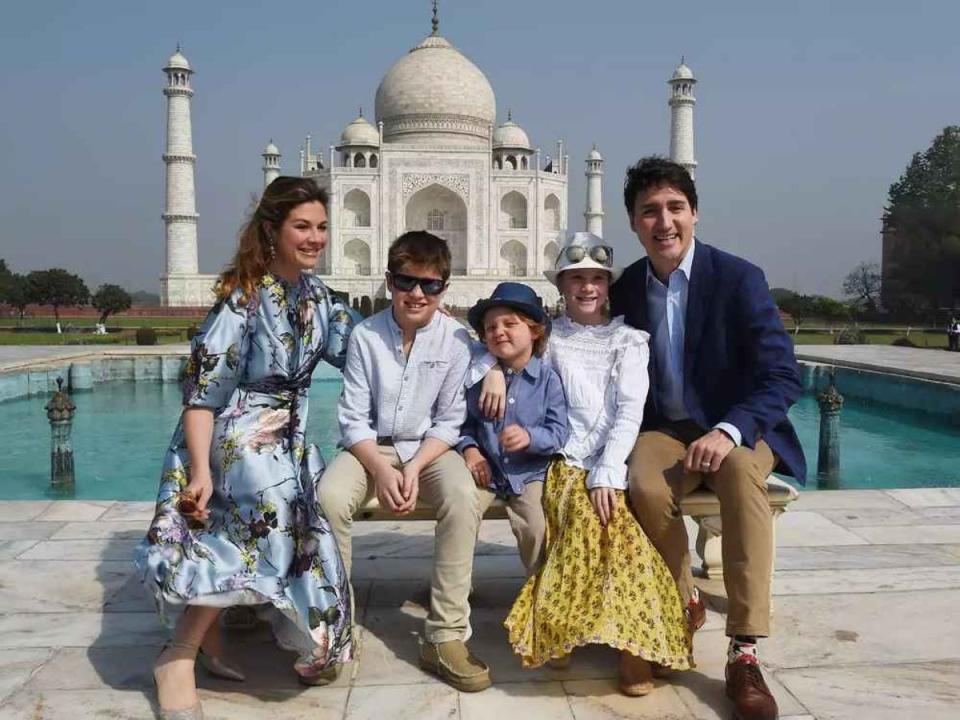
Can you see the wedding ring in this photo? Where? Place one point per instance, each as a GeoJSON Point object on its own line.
{"type": "Point", "coordinates": [705, 464]}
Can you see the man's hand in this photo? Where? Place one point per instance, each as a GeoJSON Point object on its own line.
{"type": "Point", "coordinates": [604, 501]}
{"type": "Point", "coordinates": [478, 466]}
{"type": "Point", "coordinates": [410, 487]}
{"type": "Point", "coordinates": [705, 454]}
{"type": "Point", "coordinates": [388, 482]}
{"type": "Point", "coordinates": [493, 394]}
{"type": "Point", "coordinates": [514, 438]}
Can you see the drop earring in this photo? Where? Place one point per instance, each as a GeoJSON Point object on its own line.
{"type": "Point", "coordinates": [271, 249]}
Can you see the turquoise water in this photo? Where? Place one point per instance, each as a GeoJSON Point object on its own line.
{"type": "Point", "coordinates": [122, 429]}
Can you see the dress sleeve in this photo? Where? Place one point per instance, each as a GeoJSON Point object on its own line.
{"type": "Point", "coordinates": [341, 320]}
{"type": "Point", "coordinates": [218, 354]}
{"type": "Point", "coordinates": [631, 384]}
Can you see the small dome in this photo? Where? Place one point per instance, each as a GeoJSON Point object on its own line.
{"type": "Point", "coordinates": [682, 72]}
{"type": "Point", "coordinates": [360, 132]}
{"type": "Point", "coordinates": [271, 149]}
{"type": "Point", "coordinates": [594, 154]}
{"type": "Point", "coordinates": [510, 135]}
{"type": "Point", "coordinates": [177, 61]}
{"type": "Point", "coordinates": [434, 92]}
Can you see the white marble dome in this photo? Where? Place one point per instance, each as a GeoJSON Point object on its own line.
{"type": "Point", "coordinates": [682, 73]}
{"type": "Point", "coordinates": [434, 94]}
{"type": "Point", "coordinates": [177, 61]}
{"type": "Point", "coordinates": [360, 132]}
{"type": "Point", "coordinates": [510, 135]}
{"type": "Point", "coordinates": [271, 149]}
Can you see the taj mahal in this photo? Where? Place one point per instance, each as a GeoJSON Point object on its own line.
{"type": "Point", "coordinates": [433, 159]}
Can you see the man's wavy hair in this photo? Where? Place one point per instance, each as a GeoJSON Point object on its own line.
{"type": "Point", "coordinates": [263, 228]}
{"type": "Point", "coordinates": [656, 172]}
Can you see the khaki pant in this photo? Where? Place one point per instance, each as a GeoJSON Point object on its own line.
{"type": "Point", "coordinates": [658, 482]}
{"type": "Point", "coordinates": [529, 525]}
{"type": "Point", "coordinates": [446, 485]}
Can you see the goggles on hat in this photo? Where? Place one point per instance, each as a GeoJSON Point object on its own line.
{"type": "Point", "coordinates": [406, 283]}
{"type": "Point", "coordinates": [602, 254]}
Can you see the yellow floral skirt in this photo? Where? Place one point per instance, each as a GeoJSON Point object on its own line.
{"type": "Point", "coordinates": [599, 585]}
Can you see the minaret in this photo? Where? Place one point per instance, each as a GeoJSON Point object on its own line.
{"type": "Point", "coordinates": [271, 163]}
{"type": "Point", "coordinates": [180, 215]}
{"type": "Point", "coordinates": [594, 212]}
{"type": "Point", "coordinates": [681, 117]}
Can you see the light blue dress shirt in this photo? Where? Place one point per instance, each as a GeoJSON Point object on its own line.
{"type": "Point", "coordinates": [406, 399]}
{"type": "Point", "coordinates": [667, 310]}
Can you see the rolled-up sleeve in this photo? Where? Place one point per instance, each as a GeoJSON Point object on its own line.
{"type": "Point", "coordinates": [451, 404]}
{"type": "Point", "coordinates": [632, 384]}
{"type": "Point", "coordinates": [355, 410]}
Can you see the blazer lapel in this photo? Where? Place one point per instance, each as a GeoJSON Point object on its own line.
{"type": "Point", "coordinates": [698, 298]}
{"type": "Point", "coordinates": [642, 318]}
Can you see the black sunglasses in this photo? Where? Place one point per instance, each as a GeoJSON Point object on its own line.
{"type": "Point", "coordinates": [602, 254]}
{"type": "Point", "coordinates": [406, 283]}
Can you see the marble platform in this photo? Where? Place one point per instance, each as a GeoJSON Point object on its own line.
{"type": "Point", "coordinates": [865, 624]}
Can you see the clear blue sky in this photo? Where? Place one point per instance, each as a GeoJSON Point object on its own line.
{"type": "Point", "coordinates": [806, 112]}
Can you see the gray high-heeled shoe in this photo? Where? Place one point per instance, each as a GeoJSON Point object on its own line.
{"type": "Point", "coordinates": [219, 668]}
{"type": "Point", "coordinates": [195, 712]}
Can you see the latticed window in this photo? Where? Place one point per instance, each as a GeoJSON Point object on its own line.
{"type": "Point", "coordinates": [435, 220]}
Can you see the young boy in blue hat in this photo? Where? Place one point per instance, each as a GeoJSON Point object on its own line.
{"type": "Point", "coordinates": [509, 457]}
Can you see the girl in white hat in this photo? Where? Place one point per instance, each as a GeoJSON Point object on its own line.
{"type": "Point", "coordinates": [602, 581]}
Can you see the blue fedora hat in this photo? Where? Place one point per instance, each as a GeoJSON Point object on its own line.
{"type": "Point", "coordinates": [513, 295]}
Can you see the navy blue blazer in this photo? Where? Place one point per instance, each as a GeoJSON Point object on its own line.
{"type": "Point", "coordinates": [738, 361]}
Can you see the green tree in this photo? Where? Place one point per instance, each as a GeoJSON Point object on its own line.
{"type": "Point", "coordinates": [923, 214]}
{"type": "Point", "coordinates": [6, 278]}
{"type": "Point", "coordinates": [58, 288]}
{"type": "Point", "coordinates": [862, 286]}
{"type": "Point", "coordinates": [828, 309]}
{"type": "Point", "coordinates": [18, 295]}
{"type": "Point", "coordinates": [111, 299]}
{"type": "Point", "coordinates": [800, 308]}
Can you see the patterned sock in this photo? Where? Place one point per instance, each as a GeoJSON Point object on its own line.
{"type": "Point", "coordinates": [743, 648]}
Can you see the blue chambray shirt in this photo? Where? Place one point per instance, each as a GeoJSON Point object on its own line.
{"type": "Point", "coordinates": [667, 310]}
{"type": "Point", "coordinates": [535, 402]}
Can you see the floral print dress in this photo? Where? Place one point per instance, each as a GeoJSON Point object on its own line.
{"type": "Point", "coordinates": [266, 540]}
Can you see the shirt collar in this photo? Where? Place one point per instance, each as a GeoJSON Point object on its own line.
{"type": "Point", "coordinates": [532, 368]}
{"type": "Point", "coordinates": [397, 330]}
{"type": "Point", "coordinates": [685, 266]}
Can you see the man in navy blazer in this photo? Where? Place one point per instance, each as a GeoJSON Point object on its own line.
{"type": "Point", "coordinates": [723, 375]}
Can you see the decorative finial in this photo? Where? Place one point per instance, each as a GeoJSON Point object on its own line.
{"type": "Point", "coordinates": [360, 108]}
{"type": "Point", "coordinates": [178, 47]}
{"type": "Point", "coordinates": [510, 115]}
{"type": "Point", "coordinates": [682, 60]}
{"type": "Point", "coordinates": [436, 20]}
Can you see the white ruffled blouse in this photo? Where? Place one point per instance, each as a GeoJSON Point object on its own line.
{"type": "Point", "coordinates": [603, 369]}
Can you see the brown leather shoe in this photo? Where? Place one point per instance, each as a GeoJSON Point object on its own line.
{"type": "Point", "coordinates": [696, 612]}
{"type": "Point", "coordinates": [751, 697]}
{"type": "Point", "coordinates": [636, 675]}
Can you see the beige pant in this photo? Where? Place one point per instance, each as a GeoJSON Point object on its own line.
{"type": "Point", "coordinates": [658, 482]}
{"type": "Point", "coordinates": [446, 485]}
{"type": "Point", "coordinates": [529, 525]}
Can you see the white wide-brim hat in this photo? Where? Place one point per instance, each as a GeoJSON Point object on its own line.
{"type": "Point", "coordinates": [597, 255]}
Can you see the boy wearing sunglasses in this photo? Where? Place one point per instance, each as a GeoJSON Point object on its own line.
{"type": "Point", "coordinates": [400, 414]}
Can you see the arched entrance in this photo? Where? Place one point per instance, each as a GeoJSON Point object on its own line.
{"type": "Point", "coordinates": [443, 213]}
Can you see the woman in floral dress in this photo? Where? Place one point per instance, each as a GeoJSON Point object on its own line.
{"type": "Point", "coordinates": [237, 521]}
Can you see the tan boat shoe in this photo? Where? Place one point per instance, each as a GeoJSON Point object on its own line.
{"type": "Point", "coordinates": [453, 663]}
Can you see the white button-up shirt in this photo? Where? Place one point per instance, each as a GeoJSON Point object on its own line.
{"type": "Point", "coordinates": [404, 398]}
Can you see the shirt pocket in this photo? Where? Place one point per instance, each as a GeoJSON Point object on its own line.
{"type": "Point", "coordinates": [431, 373]}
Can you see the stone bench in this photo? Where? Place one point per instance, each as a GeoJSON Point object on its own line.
{"type": "Point", "coordinates": [701, 505]}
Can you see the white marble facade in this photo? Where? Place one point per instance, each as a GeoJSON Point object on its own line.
{"type": "Point", "coordinates": [434, 159]}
